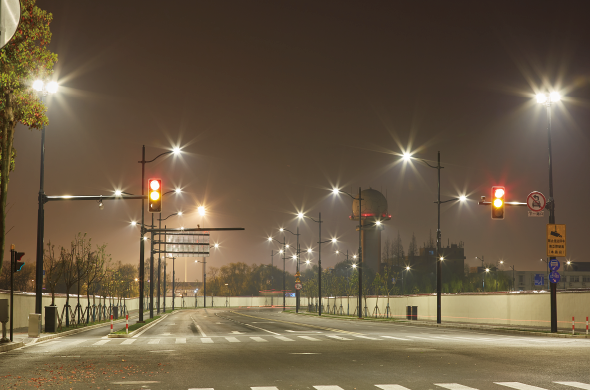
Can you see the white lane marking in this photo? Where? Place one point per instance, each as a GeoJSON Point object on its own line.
{"type": "Point", "coordinates": [264, 388]}
{"type": "Point", "coordinates": [416, 337]}
{"type": "Point", "coordinates": [328, 388]}
{"type": "Point", "coordinates": [367, 337]}
{"type": "Point", "coordinates": [200, 330]}
{"type": "Point", "coordinates": [232, 340]}
{"type": "Point", "coordinates": [259, 339]}
{"type": "Point", "coordinates": [391, 387]}
{"type": "Point", "coordinates": [101, 342]}
{"type": "Point", "coordinates": [284, 338]}
{"type": "Point", "coordinates": [578, 385]}
{"type": "Point", "coordinates": [252, 326]}
{"type": "Point", "coordinates": [519, 386]}
{"type": "Point", "coordinates": [51, 343]}
{"type": "Point", "coordinates": [454, 386]}
{"type": "Point", "coordinates": [208, 388]}
{"type": "Point", "coordinates": [206, 340]}
{"type": "Point", "coordinates": [237, 332]}
{"type": "Point", "coordinates": [338, 337]}
{"type": "Point", "coordinates": [181, 340]}
{"type": "Point", "coordinates": [79, 341]}
{"type": "Point", "coordinates": [304, 353]}
{"type": "Point", "coordinates": [165, 334]}
{"type": "Point", "coordinates": [154, 341]}
{"type": "Point", "coordinates": [129, 341]}
{"type": "Point", "coordinates": [134, 382]}
{"type": "Point", "coordinates": [309, 338]}
{"type": "Point", "coordinates": [396, 338]}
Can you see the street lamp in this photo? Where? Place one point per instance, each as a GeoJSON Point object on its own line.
{"type": "Point", "coordinates": [336, 191]}
{"type": "Point", "coordinates": [43, 89]}
{"type": "Point", "coordinates": [408, 157]}
{"type": "Point", "coordinates": [547, 101]}
{"type": "Point", "coordinates": [283, 252]}
{"type": "Point", "coordinates": [296, 258]}
{"type": "Point", "coordinates": [160, 219]}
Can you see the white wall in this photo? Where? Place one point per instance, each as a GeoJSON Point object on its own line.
{"type": "Point", "coordinates": [521, 308]}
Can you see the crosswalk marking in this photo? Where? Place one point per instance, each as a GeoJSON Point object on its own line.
{"type": "Point", "coordinates": [265, 388]}
{"type": "Point", "coordinates": [129, 341]}
{"type": "Point", "coordinates": [519, 386]}
{"type": "Point", "coordinates": [232, 340]}
{"type": "Point", "coordinates": [284, 338]}
{"type": "Point", "coordinates": [309, 338]}
{"type": "Point", "coordinates": [181, 340]}
{"type": "Point", "coordinates": [454, 386]}
{"type": "Point", "coordinates": [50, 343]}
{"type": "Point", "coordinates": [259, 339]}
{"type": "Point", "coordinates": [154, 341]}
{"type": "Point", "coordinates": [575, 384]}
{"type": "Point", "coordinates": [101, 342]}
{"type": "Point", "coordinates": [367, 337]}
{"type": "Point", "coordinates": [328, 388]}
{"type": "Point", "coordinates": [338, 337]}
{"type": "Point", "coordinates": [79, 341]}
{"type": "Point", "coordinates": [206, 340]}
{"type": "Point", "coordinates": [396, 338]}
{"type": "Point", "coordinates": [391, 387]}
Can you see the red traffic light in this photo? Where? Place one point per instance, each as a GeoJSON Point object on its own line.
{"type": "Point", "coordinates": [155, 195]}
{"type": "Point", "coordinates": [498, 202]}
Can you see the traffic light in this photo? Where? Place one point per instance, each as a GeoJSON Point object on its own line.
{"type": "Point", "coordinates": [18, 264]}
{"type": "Point", "coordinates": [155, 195]}
{"type": "Point", "coordinates": [498, 202]}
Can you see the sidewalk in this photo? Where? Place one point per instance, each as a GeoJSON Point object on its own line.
{"type": "Point", "coordinates": [501, 328]}
{"type": "Point", "coordinates": [21, 335]}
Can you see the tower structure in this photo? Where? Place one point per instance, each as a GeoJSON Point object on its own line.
{"type": "Point", "coordinates": [372, 214]}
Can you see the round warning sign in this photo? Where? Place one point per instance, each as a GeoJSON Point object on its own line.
{"type": "Point", "coordinates": [536, 201]}
{"type": "Point", "coordinates": [298, 286]}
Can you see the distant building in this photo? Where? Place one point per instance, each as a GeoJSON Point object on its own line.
{"type": "Point", "coordinates": [453, 263]}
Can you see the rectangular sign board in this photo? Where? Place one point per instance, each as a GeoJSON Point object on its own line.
{"type": "Point", "coordinates": [556, 246]}
{"type": "Point", "coordinates": [539, 280]}
{"type": "Point", "coordinates": [536, 213]}
{"type": "Point", "coordinates": [187, 244]}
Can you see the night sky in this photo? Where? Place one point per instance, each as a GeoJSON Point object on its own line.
{"type": "Point", "coordinates": [274, 103]}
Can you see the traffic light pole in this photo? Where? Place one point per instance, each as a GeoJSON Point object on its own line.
{"type": "Point", "coordinates": [11, 288]}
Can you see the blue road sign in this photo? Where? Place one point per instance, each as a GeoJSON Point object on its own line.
{"type": "Point", "coordinates": [554, 264]}
{"type": "Point", "coordinates": [539, 280]}
{"type": "Point", "coordinates": [554, 277]}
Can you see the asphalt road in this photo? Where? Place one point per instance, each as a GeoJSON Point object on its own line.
{"type": "Point", "coordinates": [265, 349]}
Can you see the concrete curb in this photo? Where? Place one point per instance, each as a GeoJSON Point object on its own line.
{"type": "Point", "coordinates": [10, 346]}
{"type": "Point", "coordinates": [488, 328]}
{"type": "Point", "coordinates": [138, 330]}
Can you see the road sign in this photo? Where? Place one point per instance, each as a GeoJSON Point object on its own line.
{"type": "Point", "coordinates": [556, 240]}
{"type": "Point", "coordinates": [554, 277]}
{"type": "Point", "coordinates": [298, 286]}
{"type": "Point", "coordinates": [9, 19]}
{"type": "Point", "coordinates": [536, 201]}
{"type": "Point", "coordinates": [539, 280]}
{"type": "Point", "coordinates": [554, 264]}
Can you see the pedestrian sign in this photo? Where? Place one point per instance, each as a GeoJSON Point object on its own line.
{"type": "Point", "coordinates": [556, 246]}
{"type": "Point", "coordinates": [539, 280]}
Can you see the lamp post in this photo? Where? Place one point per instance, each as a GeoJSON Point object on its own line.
{"type": "Point", "coordinates": [142, 229]}
{"type": "Point", "coordinates": [43, 90]}
{"type": "Point", "coordinates": [360, 253]}
{"type": "Point", "coordinates": [297, 274]}
{"type": "Point", "coordinates": [439, 255]}
{"type": "Point", "coordinates": [547, 101]}
{"type": "Point", "coordinates": [160, 219]}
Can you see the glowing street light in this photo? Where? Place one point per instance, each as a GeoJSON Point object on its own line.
{"type": "Point", "coordinates": [201, 210]}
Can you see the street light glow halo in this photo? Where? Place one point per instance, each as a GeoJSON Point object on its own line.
{"type": "Point", "coordinates": [38, 85]}
{"type": "Point", "coordinates": [555, 96]}
{"type": "Point", "coordinates": [541, 98]}
{"type": "Point", "coordinates": [52, 87]}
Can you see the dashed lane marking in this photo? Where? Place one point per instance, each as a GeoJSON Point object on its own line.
{"type": "Point", "coordinates": [454, 386]}
{"type": "Point", "coordinates": [309, 338]}
{"type": "Point", "coordinates": [284, 338]}
{"type": "Point", "coordinates": [391, 387]}
{"type": "Point", "coordinates": [232, 339]}
{"type": "Point", "coordinates": [297, 323]}
{"type": "Point", "coordinates": [206, 340]}
{"type": "Point", "coordinates": [575, 384]}
{"type": "Point", "coordinates": [519, 386]}
{"type": "Point", "coordinates": [259, 339]}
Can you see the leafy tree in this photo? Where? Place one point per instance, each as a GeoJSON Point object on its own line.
{"type": "Point", "coordinates": [24, 59]}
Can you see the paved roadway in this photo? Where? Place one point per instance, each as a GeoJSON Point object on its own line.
{"type": "Point", "coordinates": [264, 349]}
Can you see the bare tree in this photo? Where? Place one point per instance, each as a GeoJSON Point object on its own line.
{"type": "Point", "coordinates": [53, 269]}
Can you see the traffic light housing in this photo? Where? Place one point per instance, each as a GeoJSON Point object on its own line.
{"type": "Point", "coordinates": [155, 195]}
{"type": "Point", "coordinates": [18, 263]}
{"type": "Point", "coordinates": [498, 202]}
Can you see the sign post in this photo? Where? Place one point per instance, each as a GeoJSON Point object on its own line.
{"type": "Point", "coordinates": [556, 245]}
